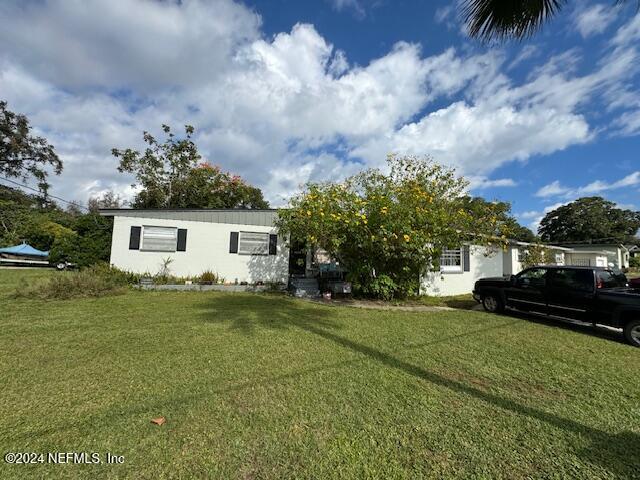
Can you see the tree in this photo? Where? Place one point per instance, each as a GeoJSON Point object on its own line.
{"type": "Point", "coordinates": [537, 254]}
{"type": "Point", "coordinates": [506, 222]}
{"type": "Point", "coordinates": [386, 229]}
{"type": "Point", "coordinates": [589, 219]}
{"type": "Point", "coordinates": [81, 238]}
{"type": "Point", "coordinates": [500, 19]}
{"type": "Point", "coordinates": [171, 175]}
{"type": "Point", "coordinates": [108, 200]}
{"type": "Point", "coordinates": [22, 154]}
{"type": "Point", "coordinates": [206, 186]}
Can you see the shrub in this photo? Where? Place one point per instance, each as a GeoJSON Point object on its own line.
{"type": "Point", "coordinates": [382, 287]}
{"type": "Point", "coordinates": [210, 277]}
{"type": "Point", "coordinates": [96, 281]}
{"type": "Point", "coordinates": [634, 262]}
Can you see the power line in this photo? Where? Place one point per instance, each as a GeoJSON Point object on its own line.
{"type": "Point", "coordinates": [76, 204]}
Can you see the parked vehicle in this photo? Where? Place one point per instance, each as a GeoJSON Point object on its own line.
{"type": "Point", "coordinates": [596, 295]}
{"type": "Point", "coordinates": [635, 283]}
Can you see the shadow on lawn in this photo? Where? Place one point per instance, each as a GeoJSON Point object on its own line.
{"type": "Point", "coordinates": [615, 452]}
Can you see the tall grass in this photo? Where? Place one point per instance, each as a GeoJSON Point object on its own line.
{"type": "Point", "coordinates": [96, 281]}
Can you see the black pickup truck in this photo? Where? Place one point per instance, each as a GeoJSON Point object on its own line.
{"type": "Point", "coordinates": [596, 295]}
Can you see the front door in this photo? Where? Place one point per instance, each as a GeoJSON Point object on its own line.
{"type": "Point", "coordinates": [570, 292]}
{"type": "Point", "coordinates": [528, 291]}
{"type": "Point", "coordinates": [297, 259]}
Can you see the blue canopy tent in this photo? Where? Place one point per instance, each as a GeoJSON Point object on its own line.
{"type": "Point", "coordinates": [24, 250]}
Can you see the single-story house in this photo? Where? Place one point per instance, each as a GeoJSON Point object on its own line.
{"type": "Point", "coordinates": [244, 246]}
{"type": "Point", "coordinates": [591, 254]}
{"type": "Point", "coordinates": [239, 245]}
{"type": "Point", "coordinates": [634, 250]}
{"type": "Point", "coordinates": [461, 267]}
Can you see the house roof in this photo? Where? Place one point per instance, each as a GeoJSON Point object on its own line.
{"type": "Point", "coordinates": [24, 249]}
{"type": "Point", "coordinates": [591, 245]}
{"type": "Point", "coordinates": [236, 216]}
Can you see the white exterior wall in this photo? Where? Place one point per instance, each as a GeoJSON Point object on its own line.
{"type": "Point", "coordinates": [456, 283]}
{"type": "Point", "coordinates": [586, 259]}
{"type": "Point", "coordinates": [207, 249]}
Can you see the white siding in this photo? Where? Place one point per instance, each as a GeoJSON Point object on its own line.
{"type": "Point", "coordinates": [207, 249]}
{"type": "Point", "coordinates": [480, 265]}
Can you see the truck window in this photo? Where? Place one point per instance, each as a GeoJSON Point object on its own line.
{"type": "Point", "coordinates": [534, 277]}
{"type": "Point", "coordinates": [608, 279]}
{"type": "Point", "coordinates": [572, 279]}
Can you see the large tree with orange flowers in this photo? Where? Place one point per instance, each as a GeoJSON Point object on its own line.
{"type": "Point", "coordinates": [386, 228]}
{"type": "Point", "coordinates": [171, 174]}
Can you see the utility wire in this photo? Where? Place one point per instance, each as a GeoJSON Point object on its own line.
{"type": "Point", "coordinates": [76, 204]}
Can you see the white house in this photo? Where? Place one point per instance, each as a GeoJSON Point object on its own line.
{"type": "Point", "coordinates": [460, 268]}
{"type": "Point", "coordinates": [239, 245]}
{"type": "Point", "coordinates": [592, 254]}
{"type": "Point", "coordinates": [244, 246]}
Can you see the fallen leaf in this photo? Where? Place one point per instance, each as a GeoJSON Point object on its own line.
{"type": "Point", "coordinates": [159, 420]}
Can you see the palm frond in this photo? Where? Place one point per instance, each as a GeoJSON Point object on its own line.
{"type": "Point", "coordinates": [502, 19]}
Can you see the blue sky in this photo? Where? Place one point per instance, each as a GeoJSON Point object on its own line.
{"type": "Point", "coordinates": [284, 91]}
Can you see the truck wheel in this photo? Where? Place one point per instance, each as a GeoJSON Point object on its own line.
{"type": "Point", "coordinates": [61, 266]}
{"type": "Point", "coordinates": [492, 304]}
{"type": "Point", "coordinates": [632, 332]}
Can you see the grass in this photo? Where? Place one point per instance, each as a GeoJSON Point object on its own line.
{"type": "Point", "coordinates": [258, 386]}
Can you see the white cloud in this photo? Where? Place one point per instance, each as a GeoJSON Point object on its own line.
{"type": "Point", "coordinates": [479, 138]}
{"type": "Point", "coordinates": [555, 189]}
{"type": "Point", "coordinates": [481, 182]}
{"type": "Point", "coordinates": [354, 5]}
{"type": "Point", "coordinates": [536, 216]}
{"type": "Point", "coordinates": [280, 110]}
{"type": "Point", "coordinates": [124, 44]}
{"type": "Point", "coordinates": [594, 19]}
{"type": "Point", "coordinates": [444, 13]}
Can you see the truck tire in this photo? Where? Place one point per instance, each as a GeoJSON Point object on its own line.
{"type": "Point", "coordinates": [632, 332]}
{"type": "Point", "coordinates": [492, 303]}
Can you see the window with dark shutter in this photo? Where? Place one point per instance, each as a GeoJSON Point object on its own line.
{"type": "Point", "coordinates": [182, 240]}
{"type": "Point", "coordinates": [273, 244]}
{"type": "Point", "coordinates": [233, 242]}
{"type": "Point", "coordinates": [134, 238]}
{"type": "Point", "coordinates": [466, 260]}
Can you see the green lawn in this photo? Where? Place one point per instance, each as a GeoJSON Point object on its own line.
{"type": "Point", "coordinates": [258, 386]}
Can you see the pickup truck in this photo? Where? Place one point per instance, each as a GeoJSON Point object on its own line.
{"type": "Point", "coordinates": [596, 295]}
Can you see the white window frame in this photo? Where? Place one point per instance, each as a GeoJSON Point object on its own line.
{"type": "Point", "coordinates": [147, 248]}
{"type": "Point", "coordinates": [522, 254]}
{"type": "Point", "coordinates": [447, 257]}
{"type": "Point", "coordinates": [245, 251]}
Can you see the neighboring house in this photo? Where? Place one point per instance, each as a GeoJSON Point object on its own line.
{"type": "Point", "coordinates": [239, 245]}
{"type": "Point", "coordinates": [593, 254]}
{"type": "Point", "coordinates": [634, 250]}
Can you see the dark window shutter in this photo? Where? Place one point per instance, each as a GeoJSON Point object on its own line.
{"type": "Point", "coordinates": [134, 238]}
{"type": "Point", "coordinates": [466, 258]}
{"type": "Point", "coordinates": [182, 240]}
{"type": "Point", "coordinates": [233, 243]}
{"type": "Point", "coordinates": [273, 244]}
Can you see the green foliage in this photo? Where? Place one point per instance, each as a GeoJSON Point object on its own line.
{"type": "Point", "coordinates": [210, 278]}
{"type": "Point", "coordinates": [23, 154]}
{"type": "Point", "coordinates": [634, 262]}
{"type": "Point", "coordinates": [537, 254]}
{"type": "Point", "coordinates": [96, 281]}
{"type": "Point", "coordinates": [383, 287]}
{"type": "Point", "coordinates": [393, 224]}
{"type": "Point", "coordinates": [505, 222]}
{"type": "Point", "coordinates": [589, 219]}
{"type": "Point", "coordinates": [83, 239]}
{"type": "Point", "coordinates": [171, 176]}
